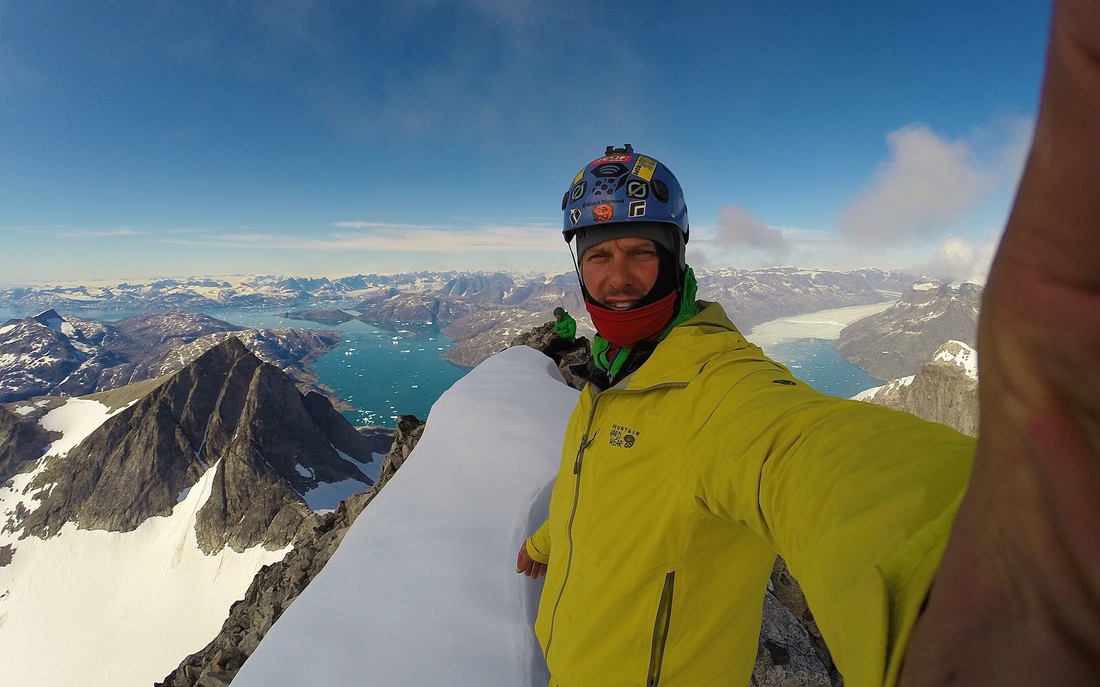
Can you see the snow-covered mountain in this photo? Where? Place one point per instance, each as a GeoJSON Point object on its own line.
{"type": "Point", "coordinates": [202, 293]}
{"type": "Point", "coordinates": [130, 520]}
{"type": "Point", "coordinates": [944, 390]}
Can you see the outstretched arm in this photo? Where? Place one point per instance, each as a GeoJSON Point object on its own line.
{"type": "Point", "coordinates": [1017, 597]}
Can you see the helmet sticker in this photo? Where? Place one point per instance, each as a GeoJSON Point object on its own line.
{"type": "Point", "coordinates": [636, 209]}
{"type": "Point", "coordinates": [644, 168]}
{"type": "Point", "coordinates": [579, 190]}
{"type": "Point", "coordinates": [610, 169]}
{"type": "Point", "coordinates": [637, 189]}
{"type": "Point", "coordinates": [580, 174]}
{"type": "Point", "coordinates": [603, 213]}
{"type": "Point", "coordinates": [612, 158]}
{"type": "Point", "coordinates": [574, 216]}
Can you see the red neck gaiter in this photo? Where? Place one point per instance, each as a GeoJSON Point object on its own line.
{"type": "Point", "coordinates": [624, 328]}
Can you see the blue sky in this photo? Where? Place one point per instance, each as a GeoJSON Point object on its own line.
{"type": "Point", "coordinates": [142, 138]}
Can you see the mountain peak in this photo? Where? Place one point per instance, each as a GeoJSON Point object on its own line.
{"type": "Point", "coordinates": [227, 411]}
{"type": "Point", "coordinates": [959, 354]}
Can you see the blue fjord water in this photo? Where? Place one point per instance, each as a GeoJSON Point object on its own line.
{"type": "Point", "coordinates": [382, 370]}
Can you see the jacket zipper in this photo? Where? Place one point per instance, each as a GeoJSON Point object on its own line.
{"type": "Point", "coordinates": [660, 631]}
{"type": "Point", "coordinates": [587, 441]}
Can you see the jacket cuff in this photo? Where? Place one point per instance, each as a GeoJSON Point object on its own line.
{"type": "Point", "coordinates": [535, 553]}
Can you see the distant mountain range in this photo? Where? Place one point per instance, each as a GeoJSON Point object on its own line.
{"type": "Point", "coordinates": [200, 294]}
{"type": "Point", "coordinates": [49, 354]}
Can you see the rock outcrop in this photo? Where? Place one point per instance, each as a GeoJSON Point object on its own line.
{"type": "Point", "coordinates": [541, 336]}
{"type": "Point", "coordinates": [278, 585]}
{"type": "Point", "coordinates": [944, 390]}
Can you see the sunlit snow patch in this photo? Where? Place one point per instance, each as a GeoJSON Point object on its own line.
{"type": "Point", "coordinates": [75, 420]}
{"type": "Point", "coordinates": [120, 609]}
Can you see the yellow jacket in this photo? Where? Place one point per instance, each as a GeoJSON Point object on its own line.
{"type": "Point", "coordinates": [677, 488]}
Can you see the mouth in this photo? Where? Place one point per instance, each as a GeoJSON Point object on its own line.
{"type": "Point", "coordinates": [621, 305]}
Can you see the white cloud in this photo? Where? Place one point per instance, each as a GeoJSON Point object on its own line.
{"type": "Point", "coordinates": [738, 230]}
{"type": "Point", "coordinates": [83, 232]}
{"type": "Point", "coordinates": [101, 233]}
{"type": "Point", "coordinates": [928, 182]}
{"type": "Point", "coordinates": [378, 237]}
{"type": "Point", "coordinates": [959, 260]}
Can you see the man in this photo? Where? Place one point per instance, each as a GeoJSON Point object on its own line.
{"type": "Point", "coordinates": [692, 458]}
{"type": "Point", "coordinates": [564, 334]}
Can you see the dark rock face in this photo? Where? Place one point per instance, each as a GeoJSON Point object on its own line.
{"type": "Point", "coordinates": [897, 341]}
{"type": "Point", "coordinates": [22, 439]}
{"type": "Point", "coordinates": [276, 586]}
{"type": "Point", "coordinates": [226, 408]}
{"type": "Point", "coordinates": [791, 650]}
{"type": "Point", "coordinates": [66, 356]}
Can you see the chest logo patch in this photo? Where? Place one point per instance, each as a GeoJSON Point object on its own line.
{"type": "Point", "coordinates": [622, 437]}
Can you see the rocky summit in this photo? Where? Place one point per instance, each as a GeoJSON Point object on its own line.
{"type": "Point", "coordinates": [227, 410]}
{"type": "Point", "coordinates": [944, 390]}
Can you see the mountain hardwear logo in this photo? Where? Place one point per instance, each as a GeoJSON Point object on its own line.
{"type": "Point", "coordinates": [622, 437]}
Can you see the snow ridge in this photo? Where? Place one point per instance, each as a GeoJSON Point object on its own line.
{"type": "Point", "coordinates": [431, 560]}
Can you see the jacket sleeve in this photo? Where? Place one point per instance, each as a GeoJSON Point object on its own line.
{"type": "Point", "coordinates": [570, 328]}
{"type": "Point", "coordinates": [858, 500]}
{"type": "Point", "coordinates": [538, 544]}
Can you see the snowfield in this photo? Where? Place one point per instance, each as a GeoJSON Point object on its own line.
{"type": "Point", "coordinates": [107, 609]}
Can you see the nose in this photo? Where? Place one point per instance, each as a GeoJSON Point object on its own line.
{"type": "Point", "coordinates": [620, 274]}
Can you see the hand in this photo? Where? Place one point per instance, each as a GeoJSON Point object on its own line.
{"type": "Point", "coordinates": [1017, 597]}
{"type": "Point", "coordinates": [525, 565]}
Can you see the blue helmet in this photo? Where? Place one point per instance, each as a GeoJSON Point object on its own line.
{"type": "Point", "coordinates": [626, 194]}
